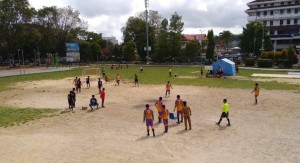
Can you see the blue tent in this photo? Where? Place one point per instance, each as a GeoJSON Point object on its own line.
{"type": "Point", "coordinates": [227, 65]}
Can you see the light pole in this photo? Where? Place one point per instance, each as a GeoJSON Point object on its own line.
{"type": "Point", "coordinates": [200, 41]}
{"type": "Point", "coordinates": [147, 36]}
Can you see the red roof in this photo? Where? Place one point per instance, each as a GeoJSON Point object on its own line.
{"type": "Point", "coordinates": [192, 37]}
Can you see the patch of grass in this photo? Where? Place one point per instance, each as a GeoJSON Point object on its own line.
{"type": "Point", "coordinates": [248, 73]}
{"type": "Point", "coordinates": [13, 116]}
{"type": "Point", "coordinates": [5, 82]}
{"type": "Point", "coordinates": [160, 75]}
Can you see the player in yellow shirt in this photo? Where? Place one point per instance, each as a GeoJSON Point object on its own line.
{"type": "Point", "coordinates": [149, 118]}
{"type": "Point", "coordinates": [158, 104]}
{"type": "Point", "coordinates": [225, 112]}
{"type": "Point", "coordinates": [165, 117]}
{"type": "Point", "coordinates": [168, 88]}
{"type": "Point", "coordinates": [256, 92]}
{"type": "Point", "coordinates": [179, 106]}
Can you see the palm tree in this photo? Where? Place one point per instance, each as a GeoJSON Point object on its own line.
{"type": "Point", "coordinates": [226, 37]}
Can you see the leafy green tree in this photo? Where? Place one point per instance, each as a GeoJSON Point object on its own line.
{"type": "Point", "coordinates": [253, 35]}
{"type": "Point", "coordinates": [210, 51]}
{"type": "Point", "coordinates": [291, 55]}
{"type": "Point", "coordinates": [192, 50]}
{"type": "Point", "coordinates": [226, 37]}
{"type": "Point", "coordinates": [15, 15]}
{"type": "Point", "coordinates": [175, 30]}
{"type": "Point", "coordinates": [135, 30]}
{"type": "Point", "coordinates": [129, 51]}
{"type": "Point", "coordinates": [162, 45]}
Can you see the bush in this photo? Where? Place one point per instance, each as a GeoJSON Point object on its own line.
{"type": "Point", "coordinates": [250, 62]}
{"type": "Point", "coordinates": [287, 64]}
{"type": "Point", "coordinates": [265, 63]}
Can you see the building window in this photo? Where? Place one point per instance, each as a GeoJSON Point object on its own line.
{"type": "Point", "coordinates": [288, 22]}
{"type": "Point", "coordinates": [281, 22]}
{"type": "Point", "coordinates": [296, 2]}
{"type": "Point", "coordinates": [265, 13]}
{"type": "Point", "coordinates": [271, 32]}
{"type": "Point", "coordinates": [289, 3]}
{"type": "Point", "coordinates": [296, 11]}
{"type": "Point", "coordinates": [282, 3]}
{"type": "Point", "coordinates": [281, 11]}
{"type": "Point", "coordinates": [257, 13]}
{"type": "Point", "coordinates": [258, 6]}
{"type": "Point", "coordinates": [271, 12]}
{"type": "Point", "coordinates": [265, 23]}
{"type": "Point", "coordinates": [289, 11]}
{"type": "Point", "coordinates": [271, 23]}
{"type": "Point", "coordinates": [265, 5]}
{"type": "Point", "coordinates": [295, 21]}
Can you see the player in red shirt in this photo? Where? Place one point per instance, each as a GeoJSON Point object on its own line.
{"type": "Point", "coordinates": [102, 96]}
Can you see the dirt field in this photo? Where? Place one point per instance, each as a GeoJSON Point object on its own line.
{"type": "Point", "coordinates": [267, 132]}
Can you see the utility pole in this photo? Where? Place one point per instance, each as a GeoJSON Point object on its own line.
{"type": "Point", "coordinates": [147, 36]}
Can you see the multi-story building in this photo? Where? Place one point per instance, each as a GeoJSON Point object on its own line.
{"type": "Point", "coordinates": [282, 17]}
{"type": "Point", "coordinates": [111, 39]}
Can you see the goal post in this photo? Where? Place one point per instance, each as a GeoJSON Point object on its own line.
{"type": "Point", "coordinates": [91, 72]}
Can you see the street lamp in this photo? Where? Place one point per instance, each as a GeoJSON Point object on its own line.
{"type": "Point", "coordinates": [147, 36]}
{"type": "Point", "coordinates": [200, 41]}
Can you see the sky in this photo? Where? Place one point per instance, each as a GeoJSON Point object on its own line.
{"type": "Point", "coordinates": [109, 16]}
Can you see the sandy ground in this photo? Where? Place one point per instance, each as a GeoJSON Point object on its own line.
{"type": "Point", "coordinates": [267, 132]}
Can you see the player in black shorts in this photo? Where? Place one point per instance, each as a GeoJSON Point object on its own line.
{"type": "Point", "coordinates": [136, 80]}
{"type": "Point", "coordinates": [99, 85]}
{"type": "Point", "coordinates": [71, 100]}
{"type": "Point", "coordinates": [74, 97]}
{"type": "Point", "coordinates": [79, 84]}
{"type": "Point", "coordinates": [87, 80]}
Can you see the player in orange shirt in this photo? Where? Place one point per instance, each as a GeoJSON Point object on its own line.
{"type": "Point", "coordinates": [118, 79]}
{"type": "Point", "coordinates": [102, 96]}
{"type": "Point", "coordinates": [158, 104]}
{"type": "Point", "coordinates": [168, 88]}
{"type": "Point", "coordinates": [179, 106]}
{"type": "Point", "coordinates": [165, 117]}
{"type": "Point", "coordinates": [149, 118]}
{"type": "Point", "coordinates": [256, 92]}
{"type": "Point", "coordinates": [106, 79]}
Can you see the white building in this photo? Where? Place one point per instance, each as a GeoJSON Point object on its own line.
{"type": "Point", "coordinates": [111, 39]}
{"type": "Point", "coordinates": [282, 17]}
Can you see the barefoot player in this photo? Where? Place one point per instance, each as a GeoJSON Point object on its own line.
{"type": "Point", "coordinates": [149, 118]}
{"type": "Point", "coordinates": [165, 116]}
{"type": "Point", "coordinates": [158, 104]}
{"type": "Point", "coordinates": [136, 80]}
{"type": "Point", "coordinates": [87, 80]}
{"type": "Point", "coordinates": [99, 84]}
{"type": "Point", "coordinates": [179, 106]}
{"type": "Point", "coordinates": [168, 88]}
{"type": "Point", "coordinates": [187, 115]}
{"type": "Point", "coordinates": [102, 96]}
{"type": "Point", "coordinates": [256, 92]}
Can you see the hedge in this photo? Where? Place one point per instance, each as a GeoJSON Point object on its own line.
{"type": "Point", "coordinates": [250, 62]}
{"type": "Point", "coordinates": [264, 63]}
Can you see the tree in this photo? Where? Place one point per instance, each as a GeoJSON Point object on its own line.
{"type": "Point", "coordinates": [135, 30]}
{"type": "Point", "coordinates": [226, 37]}
{"type": "Point", "coordinates": [175, 30]}
{"type": "Point", "coordinates": [15, 16]}
{"type": "Point", "coordinates": [210, 46]}
{"type": "Point", "coordinates": [192, 49]}
{"type": "Point", "coordinates": [252, 37]}
{"type": "Point", "coordinates": [129, 51]}
{"type": "Point", "coordinates": [291, 56]}
{"type": "Point", "coordinates": [162, 51]}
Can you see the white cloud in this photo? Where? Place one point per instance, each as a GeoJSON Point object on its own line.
{"type": "Point", "coordinates": [109, 16]}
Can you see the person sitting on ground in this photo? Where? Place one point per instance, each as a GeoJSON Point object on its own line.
{"type": "Point", "coordinates": [93, 102]}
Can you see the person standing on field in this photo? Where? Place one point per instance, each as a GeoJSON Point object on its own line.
{"type": "Point", "coordinates": [225, 112]}
{"type": "Point", "coordinates": [165, 117]}
{"type": "Point", "coordinates": [178, 106]}
{"type": "Point", "coordinates": [187, 115]}
{"type": "Point", "coordinates": [158, 104]}
{"type": "Point", "coordinates": [149, 118]}
{"type": "Point", "coordinates": [256, 92]}
{"type": "Point", "coordinates": [168, 88]}
{"type": "Point", "coordinates": [102, 96]}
